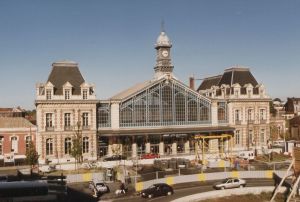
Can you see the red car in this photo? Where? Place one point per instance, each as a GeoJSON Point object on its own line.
{"type": "Point", "coordinates": [150, 156]}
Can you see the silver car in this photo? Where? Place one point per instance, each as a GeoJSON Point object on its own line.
{"type": "Point", "coordinates": [229, 183]}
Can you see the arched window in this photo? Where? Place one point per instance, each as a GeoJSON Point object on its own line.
{"type": "Point", "coordinates": [68, 145]}
{"type": "Point", "coordinates": [167, 104]}
{"type": "Point", "coordinates": [49, 146]}
{"type": "Point", "coordinates": [85, 145]}
{"type": "Point", "coordinates": [14, 144]}
{"type": "Point", "coordinates": [192, 110]}
{"type": "Point", "coordinates": [180, 107]}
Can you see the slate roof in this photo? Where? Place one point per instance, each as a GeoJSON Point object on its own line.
{"type": "Point", "coordinates": [63, 72]}
{"type": "Point", "coordinates": [15, 122]}
{"type": "Point", "coordinates": [230, 76]}
{"type": "Point", "coordinates": [209, 82]}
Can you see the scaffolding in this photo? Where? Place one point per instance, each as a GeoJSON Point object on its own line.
{"type": "Point", "coordinates": [292, 171]}
{"type": "Point", "coordinates": [203, 146]}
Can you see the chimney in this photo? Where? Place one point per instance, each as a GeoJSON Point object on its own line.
{"type": "Point", "coordinates": [192, 82]}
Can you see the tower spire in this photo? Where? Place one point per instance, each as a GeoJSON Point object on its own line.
{"type": "Point", "coordinates": [162, 25]}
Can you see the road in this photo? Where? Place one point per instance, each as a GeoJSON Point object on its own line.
{"type": "Point", "coordinates": [192, 188]}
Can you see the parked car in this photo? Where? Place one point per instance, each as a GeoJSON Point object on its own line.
{"type": "Point", "coordinates": [159, 189]}
{"type": "Point", "coordinates": [150, 156]}
{"type": "Point", "coordinates": [114, 158]}
{"type": "Point", "coordinates": [247, 155]}
{"type": "Point", "coordinates": [100, 187]}
{"type": "Point", "coordinates": [229, 183]}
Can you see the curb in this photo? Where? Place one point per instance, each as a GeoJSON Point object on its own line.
{"type": "Point", "coordinates": [224, 193]}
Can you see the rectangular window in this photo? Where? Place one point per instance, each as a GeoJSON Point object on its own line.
{"type": "Point", "coordinates": [262, 136]}
{"type": "Point", "coordinates": [237, 137]}
{"type": "Point", "coordinates": [67, 119]}
{"type": "Point", "coordinates": [49, 122]}
{"type": "Point", "coordinates": [237, 115]}
{"type": "Point", "coordinates": [250, 114]}
{"type": "Point", "coordinates": [67, 94]}
{"type": "Point", "coordinates": [48, 94]}
{"type": "Point", "coordinates": [84, 94]}
{"type": "Point", "coordinates": [1, 145]}
{"type": "Point", "coordinates": [27, 142]}
{"type": "Point", "coordinates": [250, 137]}
{"type": "Point", "coordinates": [85, 119]}
{"type": "Point", "coordinates": [262, 114]}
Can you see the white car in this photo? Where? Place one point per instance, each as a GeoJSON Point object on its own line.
{"type": "Point", "coordinates": [229, 183]}
{"type": "Point", "coordinates": [100, 187]}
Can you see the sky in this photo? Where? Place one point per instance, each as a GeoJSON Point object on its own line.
{"type": "Point", "coordinates": [113, 42]}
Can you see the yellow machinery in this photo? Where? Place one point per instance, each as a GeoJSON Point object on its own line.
{"type": "Point", "coordinates": [204, 147]}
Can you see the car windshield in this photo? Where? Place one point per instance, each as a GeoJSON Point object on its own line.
{"type": "Point", "coordinates": [152, 186]}
{"type": "Point", "coordinates": [225, 180]}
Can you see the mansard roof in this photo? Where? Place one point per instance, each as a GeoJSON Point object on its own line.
{"type": "Point", "coordinates": [14, 122]}
{"type": "Point", "coordinates": [65, 71]}
{"type": "Point", "coordinates": [240, 75]}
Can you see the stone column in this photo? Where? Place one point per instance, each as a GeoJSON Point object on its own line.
{"type": "Point", "coordinates": [147, 147]}
{"type": "Point", "coordinates": [161, 148]}
{"type": "Point", "coordinates": [187, 147]}
{"type": "Point", "coordinates": [214, 113]}
{"type": "Point", "coordinates": [174, 148]}
{"type": "Point", "coordinates": [134, 149]}
{"type": "Point", "coordinates": [110, 143]}
{"type": "Point", "coordinates": [115, 115]}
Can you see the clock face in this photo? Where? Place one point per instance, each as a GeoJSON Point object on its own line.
{"type": "Point", "coordinates": [165, 53]}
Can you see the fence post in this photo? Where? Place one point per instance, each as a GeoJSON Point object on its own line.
{"type": "Point", "coordinates": [156, 175]}
{"type": "Point", "coordinates": [274, 166]}
{"type": "Point", "coordinates": [178, 171]}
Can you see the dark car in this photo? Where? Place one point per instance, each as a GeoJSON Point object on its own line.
{"type": "Point", "coordinates": [114, 158]}
{"type": "Point", "coordinates": [154, 190]}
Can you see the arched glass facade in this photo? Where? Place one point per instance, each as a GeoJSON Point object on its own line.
{"type": "Point", "coordinates": [167, 103]}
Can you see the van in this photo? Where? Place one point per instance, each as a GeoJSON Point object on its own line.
{"type": "Point", "coordinates": [246, 155]}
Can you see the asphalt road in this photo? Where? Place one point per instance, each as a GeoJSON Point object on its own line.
{"type": "Point", "coordinates": [192, 188]}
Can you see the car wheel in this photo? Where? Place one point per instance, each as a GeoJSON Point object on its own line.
{"type": "Point", "coordinates": [150, 196]}
{"type": "Point", "coordinates": [222, 188]}
{"type": "Point", "coordinates": [169, 193]}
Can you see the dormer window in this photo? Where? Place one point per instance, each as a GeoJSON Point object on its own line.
{"type": "Point", "coordinates": [84, 94]}
{"type": "Point", "coordinates": [67, 94]}
{"type": "Point", "coordinates": [48, 94]}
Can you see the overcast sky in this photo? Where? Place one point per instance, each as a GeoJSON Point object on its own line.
{"type": "Point", "coordinates": [113, 42]}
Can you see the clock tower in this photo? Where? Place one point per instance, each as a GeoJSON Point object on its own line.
{"type": "Point", "coordinates": [163, 57]}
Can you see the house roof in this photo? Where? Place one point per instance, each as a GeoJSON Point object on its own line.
{"type": "Point", "coordinates": [15, 122]}
{"type": "Point", "coordinates": [136, 88]}
{"type": "Point", "coordinates": [209, 82]}
{"type": "Point", "coordinates": [65, 71]}
{"type": "Point", "coordinates": [240, 75]}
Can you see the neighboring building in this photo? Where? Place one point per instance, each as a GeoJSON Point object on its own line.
{"type": "Point", "coordinates": [15, 135]}
{"type": "Point", "coordinates": [294, 127]}
{"type": "Point", "coordinates": [292, 107]}
{"type": "Point", "coordinates": [64, 101]}
{"type": "Point", "coordinates": [247, 105]}
{"type": "Point", "coordinates": [12, 112]}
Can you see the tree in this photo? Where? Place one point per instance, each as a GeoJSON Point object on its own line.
{"type": "Point", "coordinates": [76, 150]}
{"type": "Point", "coordinates": [31, 155]}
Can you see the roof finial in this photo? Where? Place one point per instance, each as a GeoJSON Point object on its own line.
{"type": "Point", "coordinates": [162, 25]}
